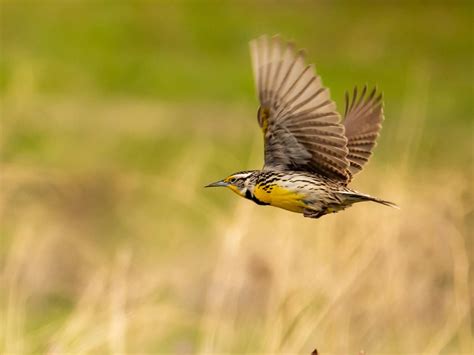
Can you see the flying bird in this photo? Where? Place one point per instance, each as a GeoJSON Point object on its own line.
{"type": "Point", "coordinates": [310, 156]}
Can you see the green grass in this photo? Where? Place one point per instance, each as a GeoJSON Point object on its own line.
{"type": "Point", "coordinates": [188, 53]}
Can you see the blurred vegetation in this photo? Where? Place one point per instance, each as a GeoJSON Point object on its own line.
{"type": "Point", "coordinates": [195, 52]}
{"type": "Point", "coordinates": [114, 114]}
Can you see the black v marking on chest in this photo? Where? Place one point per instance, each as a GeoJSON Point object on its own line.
{"type": "Point", "coordinates": [252, 197]}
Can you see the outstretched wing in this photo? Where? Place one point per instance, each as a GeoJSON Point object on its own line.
{"type": "Point", "coordinates": [302, 130]}
{"type": "Point", "coordinates": [363, 121]}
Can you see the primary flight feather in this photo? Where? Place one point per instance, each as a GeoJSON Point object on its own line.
{"type": "Point", "coordinates": [310, 156]}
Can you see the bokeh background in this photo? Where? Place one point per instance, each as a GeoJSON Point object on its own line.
{"type": "Point", "coordinates": [115, 114]}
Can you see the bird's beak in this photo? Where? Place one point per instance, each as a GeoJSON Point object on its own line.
{"type": "Point", "coordinates": [220, 183]}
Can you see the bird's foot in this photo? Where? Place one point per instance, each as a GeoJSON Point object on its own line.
{"type": "Point", "coordinates": [314, 214]}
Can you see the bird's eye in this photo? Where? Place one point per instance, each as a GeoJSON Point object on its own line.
{"type": "Point", "coordinates": [232, 179]}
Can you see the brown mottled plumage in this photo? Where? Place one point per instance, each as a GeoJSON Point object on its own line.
{"type": "Point", "coordinates": [301, 126]}
{"type": "Point", "coordinates": [310, 157]}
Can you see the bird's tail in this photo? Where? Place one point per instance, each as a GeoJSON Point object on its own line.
{"type": "Point", "coordinates": [353, 197]}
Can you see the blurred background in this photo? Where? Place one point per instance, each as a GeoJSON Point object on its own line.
{"type": "Point", "coordinates": [115, 114]}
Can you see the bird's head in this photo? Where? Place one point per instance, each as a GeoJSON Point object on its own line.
{"type": "Point", "coordinates": [239, 183]}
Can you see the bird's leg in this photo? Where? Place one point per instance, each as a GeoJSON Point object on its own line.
{"type": "Point", "coordinates": [314, 214]}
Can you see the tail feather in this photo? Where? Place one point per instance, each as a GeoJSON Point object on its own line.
{"type": "Point", "coordinates": [353, 197]}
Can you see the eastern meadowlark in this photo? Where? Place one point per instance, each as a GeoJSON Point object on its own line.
{"type": "Point", "coordinates": [310, 156]}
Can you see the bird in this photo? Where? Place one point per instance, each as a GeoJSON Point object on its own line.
{"type": "Point", "coordinates": [310, 154]}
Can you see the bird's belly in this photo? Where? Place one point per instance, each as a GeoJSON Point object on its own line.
{"type": "Point", "coordinates": [281, 197]}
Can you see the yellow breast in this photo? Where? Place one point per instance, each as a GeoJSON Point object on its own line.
{"type": "Point", "coordinates": [279, 196]}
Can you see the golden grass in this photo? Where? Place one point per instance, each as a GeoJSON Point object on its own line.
{"type": "Point", "coordinates": [110, 261]}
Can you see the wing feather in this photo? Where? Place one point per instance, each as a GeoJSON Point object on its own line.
{"type": "Point", "coordinates": [302, 130]}
{"type": "Point", "coordinates": [363, 121]}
